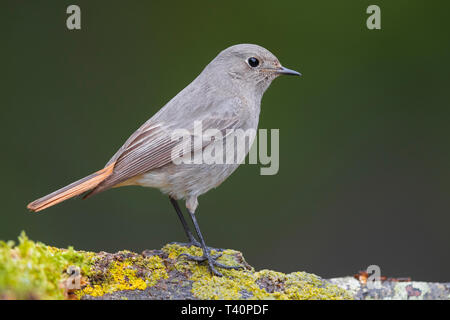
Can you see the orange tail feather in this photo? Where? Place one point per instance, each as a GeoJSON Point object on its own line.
{"type": "Point", "coordinates": [74, 189]}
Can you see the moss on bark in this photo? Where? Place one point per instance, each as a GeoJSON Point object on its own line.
{"type": "Point", "coordinates": [32, 270]}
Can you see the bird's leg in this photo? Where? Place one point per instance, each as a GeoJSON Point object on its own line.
{"type": "Point", "coordinates": [212, 260]}
{"type": "Point", "coordinates": [191, 238]}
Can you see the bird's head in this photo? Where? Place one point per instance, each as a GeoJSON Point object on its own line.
{"type": "Point", "coordinates": [248, 66]}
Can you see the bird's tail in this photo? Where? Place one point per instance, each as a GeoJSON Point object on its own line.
{"type": "Point", "coordinates": [74, 189]}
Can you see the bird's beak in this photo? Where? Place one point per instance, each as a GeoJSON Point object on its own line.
{"type": "Point", "coordinates": [287, 71]}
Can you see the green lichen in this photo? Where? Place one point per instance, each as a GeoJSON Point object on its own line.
{"type": "Point", "coordinates": [32, 270]}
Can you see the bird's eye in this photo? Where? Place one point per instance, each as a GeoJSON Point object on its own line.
{"type": "Point", "coordinates": [253, 62]}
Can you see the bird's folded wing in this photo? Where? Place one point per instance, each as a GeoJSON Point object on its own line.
{"type": "Point", "coordinates": [153, 145]}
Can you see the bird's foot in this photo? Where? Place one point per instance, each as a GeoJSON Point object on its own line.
{"type": "Point", "coordinates": [195, 243]}
{"type": "Point", "coordinates": [212, 261]}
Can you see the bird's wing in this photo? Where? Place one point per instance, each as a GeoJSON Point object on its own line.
{"type": "Point", "coordinates": [153, 145]}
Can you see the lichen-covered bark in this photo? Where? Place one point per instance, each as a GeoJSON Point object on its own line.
{"type": "Point", "coordinates": [35, 271]}
{"type": "Point", "coordinates": [394, 290]}
{"type": "Point", "coordinates": [183, 279]}
{"type": "Point", "coordinates": [32, 270]}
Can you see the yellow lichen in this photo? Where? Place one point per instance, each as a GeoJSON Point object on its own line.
{"type": "Point", "coordinates": [122, 275]}
{"type": "Point", "coordinates": [156, 264]}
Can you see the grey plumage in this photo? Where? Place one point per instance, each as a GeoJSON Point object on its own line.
{"type": "Point", "coordinates": [226, 95]}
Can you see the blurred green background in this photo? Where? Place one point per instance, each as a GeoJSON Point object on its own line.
{"type": "Point", "coordinates": [364, 135]}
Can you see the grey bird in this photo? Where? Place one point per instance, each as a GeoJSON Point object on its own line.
{"type": "Point", "coordinates": [225, 96]}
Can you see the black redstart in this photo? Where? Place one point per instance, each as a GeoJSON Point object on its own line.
{"type": "Point", "coordinates": [225, 96]}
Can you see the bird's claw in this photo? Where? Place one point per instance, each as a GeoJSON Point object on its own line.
{"type": "Point", "coordinates": [212, 262]}
{"type": "Point", "coordinates": [200, 259]}
{"type": "Point", "coordinates": [197, 244]}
